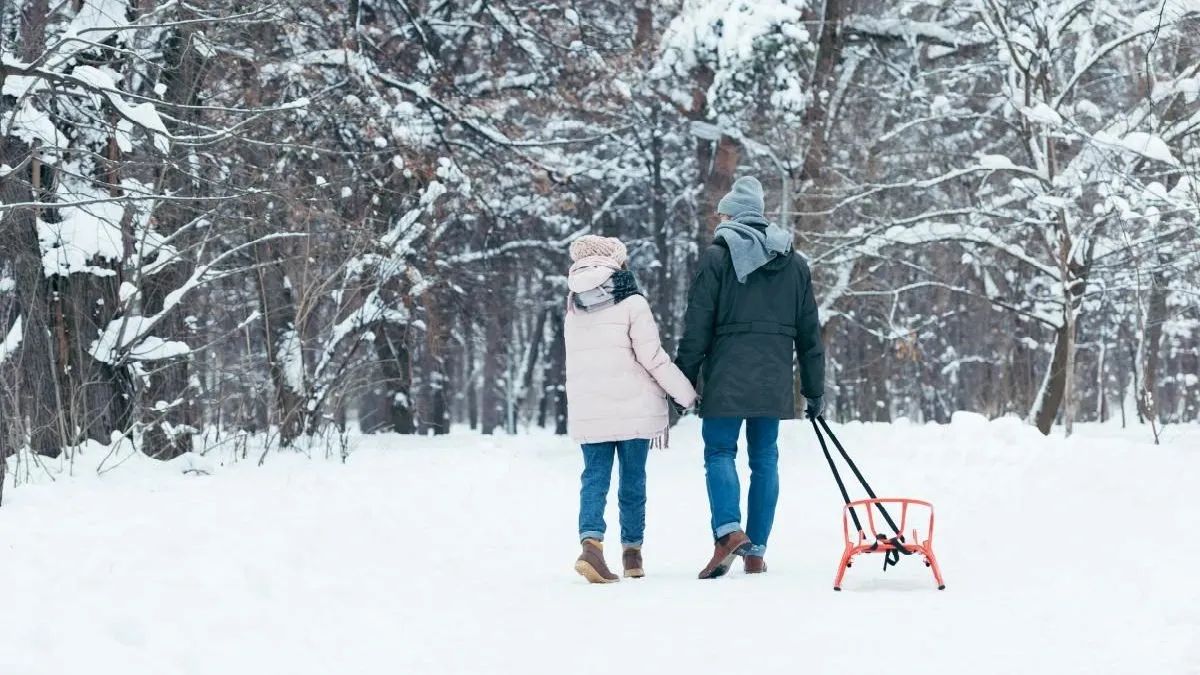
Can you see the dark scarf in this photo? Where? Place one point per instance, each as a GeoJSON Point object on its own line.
{"type": "Point", "coordinates": [619, 286]}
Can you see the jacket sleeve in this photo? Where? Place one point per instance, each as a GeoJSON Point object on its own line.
{"type": "Point", "coordinates": [647, 348]}
{"type": "Point", "coordinates": [699, 321]}
{"type": "Point", "coordinates": [809, 348]}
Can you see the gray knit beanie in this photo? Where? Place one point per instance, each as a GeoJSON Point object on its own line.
{"type": "Point", "coordinates": [745, 196]}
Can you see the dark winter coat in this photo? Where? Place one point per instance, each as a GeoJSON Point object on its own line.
{"type": "Point", "coordinates": [742, 336]}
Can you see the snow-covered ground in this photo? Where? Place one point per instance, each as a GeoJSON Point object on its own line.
{"type": "Point", "coordinates": [454, 555]}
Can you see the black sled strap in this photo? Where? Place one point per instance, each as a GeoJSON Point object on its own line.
{"type": "Point", "coordinates": [837, 476]}
{"type": "Point", "coordinates": [892, 555]}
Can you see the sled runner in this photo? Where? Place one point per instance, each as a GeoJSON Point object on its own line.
{"type": "Point", "coordinates": [870, 539]}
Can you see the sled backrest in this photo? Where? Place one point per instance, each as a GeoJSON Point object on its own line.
{"type": "Point", "coordinates": [910, 510]}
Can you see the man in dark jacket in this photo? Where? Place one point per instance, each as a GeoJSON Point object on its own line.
{"type": "Point", "coordinates": [750, 309]}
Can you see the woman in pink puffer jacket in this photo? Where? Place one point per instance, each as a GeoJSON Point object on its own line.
{"type": "Point", "coordinates": [618, 380]}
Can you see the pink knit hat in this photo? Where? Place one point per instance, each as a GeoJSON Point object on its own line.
{"type": "Point", "coordinates": [590, 245]}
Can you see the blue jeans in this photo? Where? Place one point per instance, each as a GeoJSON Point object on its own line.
{"type": "Point", "coordinates": [631, 493]}
{"type": "Point", "coordinates": [724, 491]}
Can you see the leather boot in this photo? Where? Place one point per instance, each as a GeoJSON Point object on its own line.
{"type": "Point", "coordinates": [724, 551]}
{"type": "Point", "coordinates": [631, 560]}
{"type": "Point", "coordinates": [591, 564]}
{"type": "Point", "coordinates": [754, 564]}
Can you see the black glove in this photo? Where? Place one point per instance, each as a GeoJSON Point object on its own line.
{"type": "Point", "coordinates": [674, 410]}
{"type": "Point", "coordinates": [677, 409]}
{"type": "Point", "coordinates": [815, 407]}
{"type": "Point", "coordinates": [680, 411]}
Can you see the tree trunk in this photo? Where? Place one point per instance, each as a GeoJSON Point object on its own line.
{"type": "Point", "coordinates": [103, 394]}
{"type": "Point", "coordinates": [829, 49]}
{"type": "Point", "coordinates": [556, 374]}
{"type": "Point", "coordinates": [1149, 350]}
{"type": "Point", "coordinates": [34, 365]}
{"type": "Point", "coordinates": [1069, 378]}
{"type": "Point", "coordinates": [170, 432]}
{"type": "Point", "coordinates": [535, 349]}
{"type": "Point", "coordinates": [1058, 387]}
{"type": "Point", "coordinates": [1050, 396]}
{"type": "Point", "coordinates": [395, 360]}
{"type": "Point", "coordinates": [717, 161]}
{"type": "Point", "coordinates": [472, 386]}
{"type": "Point", "coordinates": [435, 411]}
{"type": "Point", "coordinates": [663, 291]}
{"type": "Point", "coordinates": [285, 354]}
{"type": "Point", "coordinates": [491, 404]}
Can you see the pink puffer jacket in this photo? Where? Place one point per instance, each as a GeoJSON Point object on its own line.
{"type": "Point", "coordinates": [618, 376]}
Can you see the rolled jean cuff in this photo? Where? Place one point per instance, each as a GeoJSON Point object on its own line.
{"type": "Point", "coordinates": [726, 529]}
{"type": "Point", "coordinates": [631, 544]}
{"type": "Point", "coordinates": [598, 536]}
{"type": "Point", "coordinates": [759, 550]}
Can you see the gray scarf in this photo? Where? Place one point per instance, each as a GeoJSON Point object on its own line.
{"type": "Point", "coordinates": [752, 247]}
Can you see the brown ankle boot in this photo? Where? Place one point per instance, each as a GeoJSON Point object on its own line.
{"type": "Point", "coordinates": [631, 559]}
{"type": "Point", "coordinates": [591, 564]}
{"type": "Point", "coordinates": [754, 564]}
{"type": "Point", "coordinates": [726, 549]}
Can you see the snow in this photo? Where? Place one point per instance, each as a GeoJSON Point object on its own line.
{"type": "Point", "coordinates": [373, 310]}
{"type": "Point", "coordinates": [996, 162]}
{"type": "Point", "coordinates": [931, 231]}
{"type": "Point", "coordinates": [622, 89]}
{"type": "Point", "coordinates": [291, 360]}
{"type": "Point", "coordinates": [153, 348]}
{"type": "Point", "coordinates": [1149, 145]}
{"type": "Point", "coordinates": [454, 555]}
{"type": "Point", "coordinates": [12, 340]}
{"type": "Point", "coordinates": [124, 135]}
{"type": "Point", "coordinates": [96, 22]}
{"type": "Point", "coordinates": [1189, 88]}
{"type": "Point", "coordinates": [907, 30]}
{"type": "Point", "coordinates": [143, 114]}
{"type": "Point", "coordinates": [86, 233]}
{"type": "Point", "coordinates": [731, 36]}
{"type": "Point", "coordinates": [1156, 191]}
{"type": "Point", "coordinates": [205, 48]}
{"type": "Point", "coordinates": [35, 127]}
{"type": "Point", "coordinates": [1040, 112]}
{"type": "Point", "coordinates": [19, 86]}
{"type": "Point", "coordinates": [98, 19]}
{"type": "Point", "coordinates": [128, 336]}
{"type": "Point", "coordinates": [1167, 14]}
{"type": "Point", "coordinates": [1182, 190]}
{"type": "Point", "coordinates": [1088, 109]}
{"type": "Point", "coordinates": [126, 291]}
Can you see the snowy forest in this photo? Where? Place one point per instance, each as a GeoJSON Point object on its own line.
{"type": "Point", "coordinates": [297, 218]}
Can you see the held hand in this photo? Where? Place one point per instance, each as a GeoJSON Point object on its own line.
{"type": "Point", "coordinates": [680, 411]}
{"type": "Point", "coordinates": [676, 409]}
{"type": "Point", "coordinates": [815, 407]}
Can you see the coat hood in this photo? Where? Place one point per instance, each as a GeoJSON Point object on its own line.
{"type": "Point", "coordinates": [590, 272]}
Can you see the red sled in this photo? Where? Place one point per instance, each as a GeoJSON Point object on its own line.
{"type": "Point", "coordinates": [892, 547]}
